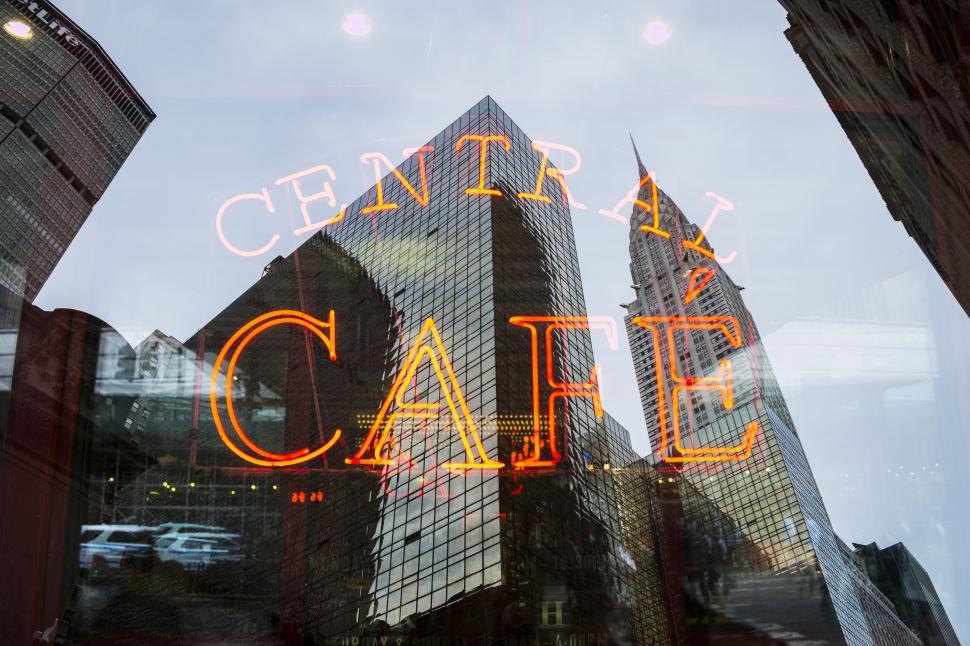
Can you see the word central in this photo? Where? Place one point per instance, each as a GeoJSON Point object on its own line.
{"type": "Point", "coordinates": [469, 145]}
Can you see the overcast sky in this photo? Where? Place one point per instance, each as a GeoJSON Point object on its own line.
{"type": "Point", "coordinates": [871, 349]}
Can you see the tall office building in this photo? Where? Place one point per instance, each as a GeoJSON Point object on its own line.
{"type": "Point", "coordinates": [498, 557]}
{"type": "Point", "coordinates": [68, 121]}
{"type": "Point", "coordinates": [441, 255]}
{"type": "Point", "coordinates": [796, 578]}
{"type": "Point", "coordinates": [894, 74]}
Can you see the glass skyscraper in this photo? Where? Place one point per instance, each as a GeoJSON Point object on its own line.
{"type": "Point", "coordinates": [68, 120]}
{"type": "Point", "coordinates": [411, 551]}
{"type": "Point", "coordinates": [791, 577]}
{"type": "Point", "coordinates": [501, 556]}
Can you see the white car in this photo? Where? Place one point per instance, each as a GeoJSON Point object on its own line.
{"type": "Point", "coordinates": [198, 551]}
{"type": "Point", "coordinates": [114, 546]}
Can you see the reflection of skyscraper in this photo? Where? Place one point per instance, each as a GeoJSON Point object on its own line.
{"type": "Point", "coordinates": [894, 75]}
{"type": "Point", "coordinates": [475, 555]}
{"type": "Point", "coordinates": [638, 506]}
{"type": "Point", "coordinates": [290, 395]}
{"type": "Point", "coordinates": [903, 580]}
{"type": "Point", "coordinates": [500, 557]}
{"type": "Point", "coordinates": [414, 551]}
{"type": "Point", "coordinates": [68, 121]}
{"type": "Point", "coordinates": [796, 576]}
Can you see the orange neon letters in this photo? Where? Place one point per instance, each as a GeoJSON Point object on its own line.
{"type": "Point", "coordinates": [591, 389]}
{"type": "Point", "coordinates": [722, 382]}
{"type": "Point", "coordinates": [427, 345]}
{"type": "Point", "coordinates": [377, 448]}
{"type": "Point", "coordinates": [422, 198]}
{"type": "Point", "coordinates": [324, 330]}
{"type": "Point", "coordinates": [699, 277]}
{"type": "Point", "coordinates": [482, 157]}
{"type": "Point", "coordinates": [327, 193]}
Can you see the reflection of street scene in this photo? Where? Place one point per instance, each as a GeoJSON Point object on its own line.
{"type": "Point", "coordinates": [114, 546]}
{"type": "Point", "coordinates": [181, 545]}
{"type": "Point", "coordinates": [395, 433]}
{"type": "Point", "coordinates": [181, 540]}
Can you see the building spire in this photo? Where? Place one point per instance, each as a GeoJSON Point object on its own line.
{"type": "Point", "coordinates": [643, 170]}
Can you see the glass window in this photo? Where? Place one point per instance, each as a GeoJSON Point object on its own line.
{"type": "Point", "coordinates": [534, 323]}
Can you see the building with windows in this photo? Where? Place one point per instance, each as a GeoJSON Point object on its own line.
{"type": "Point", "coordinates": [346, 553]}
{"type": "Point", "coordinates": [897, 573]}
{"type": "Point", "coordinates": [68, 121]}
{"type": "Point", "coordinates": [768, 558]}
{"type": "Point", "coordinates": [504, 555]}
{"type": "Point", "coordinates": [894, 74]}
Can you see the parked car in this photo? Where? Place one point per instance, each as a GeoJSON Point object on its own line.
{"type": "Point", "coordinates": [198, 551]}
{"type": "Point", "coordinates": [114, 546]}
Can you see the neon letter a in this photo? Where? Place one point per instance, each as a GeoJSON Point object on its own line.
{"type": "Point", "coordinates": [427, 344]}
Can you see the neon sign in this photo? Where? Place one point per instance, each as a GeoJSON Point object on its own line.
{"type": "Point", "coordinates": [542, 448]}
{"type": "Point", "coordinates": [722, 383]}
{"type": "Point", "coordinates": [421, 193]}
{"type": "Point", "coordinates": [428, 345]}
{"type": "Point", "coordinates": [324, 330]}
{"type": "Point", "coordinates": [551, 455]}
{"type": "Point", "coordinates": [427, 348]}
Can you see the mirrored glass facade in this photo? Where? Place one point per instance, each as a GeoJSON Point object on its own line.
{"type": "Point", "coordinates": [499, 388]}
